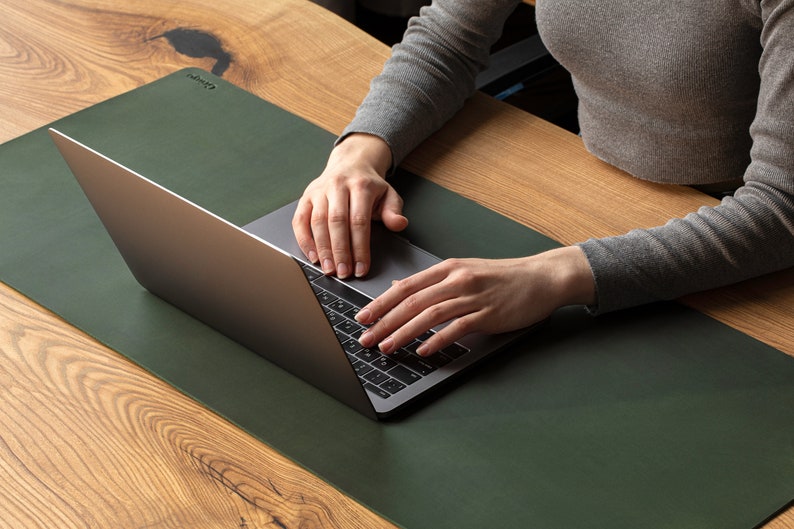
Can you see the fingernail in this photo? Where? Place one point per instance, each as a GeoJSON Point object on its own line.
{"type": "Point", "coordinates": [361, 269]}
{"type": "Point", "coordinates": [423, 350]}
{"type": "Point", "coordinates": [313, 256]}
{"type": "Point", "coordinates": [364, 316]}
{"type": "Point", "coordinates": [342, 270]}
{"type": "Point", "coordinates": [328, 266]}
{"type": "Point", "coordinates": [366, 339]}
{"type": "Point", "coordinates": [387, 346]}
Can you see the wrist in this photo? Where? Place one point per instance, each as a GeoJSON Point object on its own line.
{"type": "Point", "coordinates": [571, 277]}
{"type": "Point", "coordinates": [367, 149]}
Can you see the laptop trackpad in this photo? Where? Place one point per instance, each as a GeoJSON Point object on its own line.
{"type": "Point", "coordinates": [393, 257]}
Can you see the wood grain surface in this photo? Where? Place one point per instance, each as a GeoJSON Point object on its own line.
{"type": "Point", "coordinates": [91, 440]}
{"type": "Point", "coordinates": [88, 439]}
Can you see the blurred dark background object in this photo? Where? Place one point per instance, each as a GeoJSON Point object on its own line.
{"type": "Point", "coordinates": [522, 73]}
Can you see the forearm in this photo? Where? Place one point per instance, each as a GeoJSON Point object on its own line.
{"type": "Point", "coordinates": [431, 72]}
{"type": "Point", "coordinates": [746, 236]}
{"type": "Point", "coordinates": [567, 274]}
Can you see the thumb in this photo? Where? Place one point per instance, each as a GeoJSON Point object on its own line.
{"type": "Point", "coordinates": [391, 211]}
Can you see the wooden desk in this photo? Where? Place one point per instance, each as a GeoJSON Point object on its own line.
{"type": "Point", "coordinates": [90, 439]}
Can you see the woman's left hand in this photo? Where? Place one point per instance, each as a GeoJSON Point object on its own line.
{"type": "Point", "coordinates": [476, 295]}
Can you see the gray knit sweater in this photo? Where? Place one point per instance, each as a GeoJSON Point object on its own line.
{"type": "Point", "coordinates": [690, 92]}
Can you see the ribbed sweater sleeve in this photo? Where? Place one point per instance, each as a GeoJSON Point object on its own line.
{"type": "Point", "coordinates": [747, 235]}
{"type": "Point", "coordinates": [431, 72]}
{"type": "Point", "coordinates": [692, 93]}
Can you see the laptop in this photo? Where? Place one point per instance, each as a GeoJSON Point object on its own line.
{"type": "Point", "coordinates": [254, 285]}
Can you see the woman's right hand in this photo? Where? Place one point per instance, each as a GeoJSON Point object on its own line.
{"type": "Point", "coordinates": [333, 217]}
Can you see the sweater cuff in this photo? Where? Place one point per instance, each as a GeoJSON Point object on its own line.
{"type": "Point", "coordinates": [353, 130]}
{"type": "Point", "coordinates": [612, 283]}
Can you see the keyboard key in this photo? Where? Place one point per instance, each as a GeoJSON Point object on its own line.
{"type": "Point", "coordinates": [437, 359]}
{"type": "Point", "coordinates": [340, 305]}
{"type": "Point", "coordinates": [382, 393]}
{"type": "Point", "coordinates": [368, 355]}
{"type": "Point", "coordinates": [352, 347]}
{"type": "Point", "coordinates": [404, 375]}
{"type": "Point", "coordinates": [393, 386]}
{"type": "Point", "coordinates": [376, 377]}
{"type": "Point", "coordinates": [361, 368]}
{"type": "Point", "coordinates": [455, 350]}
{"type": "Point", "coordinates": [325, 297]}
{"type": "Point", "coordinates": [333, 317]}
{"type": "Point", "coordinates": [349, 327]}
{"type": "Point", "coordinates": [384, 363]}
{"type": "Point", "coordinates": [413, 346]}
{"type": "Point", "coordinates": [400, 354]}
{"type": "Point", "coordinates": [358, 332]}
{"type": "Point", "coordinates": [425, 336]}
{"type": "Point", "coordinates": [418, 365]}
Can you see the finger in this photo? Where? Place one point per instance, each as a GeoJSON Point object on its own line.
{"type": "Point", "coordinates": [301, 227]}
{"type": "Point", "coordinates": [360, 233]}
{"type": "Point", "coordinates": [339, 231]}
{"type": "Point", "coordinates": [321, 236]}
{"type": "Point", "coordinates": [412, 314]}
{"type": "Point", "coordinates": [457, 329]}
{"type": "Point", "coordinates": [434, 315]}
{"type": "Point", "coordinates": [390, 212]}
{"type": "Point", "coordinates": [400, 291]}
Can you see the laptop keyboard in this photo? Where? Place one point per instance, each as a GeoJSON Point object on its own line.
{"type": "Point", "coordinates": [382, 375]}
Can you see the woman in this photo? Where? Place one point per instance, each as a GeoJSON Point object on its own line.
{"type": "Point", "coordinates": [692, 93]}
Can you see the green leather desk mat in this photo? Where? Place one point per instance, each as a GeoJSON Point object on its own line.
{"type": "Point", "coordinates": [655, 417]}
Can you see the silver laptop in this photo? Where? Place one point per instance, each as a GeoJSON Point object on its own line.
{"type": "Point", "coordinates": [254, 285]}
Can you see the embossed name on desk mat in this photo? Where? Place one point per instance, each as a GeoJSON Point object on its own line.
{"type": "Point", "coordinates": [657, 417]}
